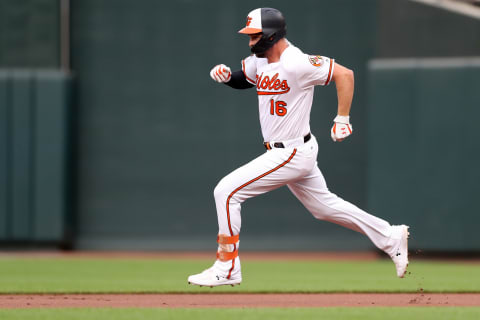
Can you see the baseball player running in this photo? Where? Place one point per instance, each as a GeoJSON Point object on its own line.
{"type": "Point", "coordinates": [284, 78]}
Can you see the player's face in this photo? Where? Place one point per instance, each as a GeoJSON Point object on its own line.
{"type": "Point", "coordinates": [254, 38]}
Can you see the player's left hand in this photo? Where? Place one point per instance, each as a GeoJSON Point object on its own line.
{"type": "Point", "coordinates": [341, 128]}
{"type": "Point", "coordinates": [221, 73]}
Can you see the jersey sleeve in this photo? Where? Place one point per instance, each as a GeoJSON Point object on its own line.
{"type": "Point", "coordinates": [249, 68]}
{"type": "Point", "coordinates": [314, 70]}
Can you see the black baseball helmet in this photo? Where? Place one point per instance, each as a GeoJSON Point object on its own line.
{"type": "Point", "coordinates": [268, 21]}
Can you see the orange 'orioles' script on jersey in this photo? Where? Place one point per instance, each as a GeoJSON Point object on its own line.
{"type": "Point", "coordinates": [271, 86]}
{"type": "Point", "coordinates": [285, 91]}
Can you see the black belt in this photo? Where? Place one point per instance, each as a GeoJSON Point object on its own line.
{"type": "Point", "coordinates": [281, 145]}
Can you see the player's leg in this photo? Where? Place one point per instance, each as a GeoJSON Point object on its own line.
{"type": "Point", "coordinates": [267, 172]}
{"type": "Point", "coordinates": [312, 191]}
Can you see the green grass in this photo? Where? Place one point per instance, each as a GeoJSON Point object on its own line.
{"type": "Point", "coordinates": [50, 275]}
{"type": "Point", "coordinates": [424, 313]}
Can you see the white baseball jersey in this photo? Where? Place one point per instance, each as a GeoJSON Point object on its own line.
{"type": "Point", "coordinates": [285, 91]}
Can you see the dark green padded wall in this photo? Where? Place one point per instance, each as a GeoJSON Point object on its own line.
{"type": "Point", "coordinates": [413, 29]}
{"type": "Point", "coordinates": [423, 149]}
{"type": "Point", "coordinates": [52, 141]}
{"type": "Point", "coordinates": [421, 163]}
{"type": "Point", "coordinates": [34, 110]}
{"type": "Point", "coordinates": [4, 173]}
{"type": "Point", "coordinates": [29, 33]}
{"type": "Point", "coordinates": [156, 133]}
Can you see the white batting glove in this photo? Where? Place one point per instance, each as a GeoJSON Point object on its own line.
{"type": "Point", "coordinates": [341, 128]}
{"type": "Point", "coordinates": [221, 73]}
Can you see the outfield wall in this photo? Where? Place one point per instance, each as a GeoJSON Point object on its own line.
{"type": "Point", "coordinates": [153, 134]}
{"type": "Point", "coordinates": [156, 134]}
{"type": "Point", "coordinates": [424, 150]}
{"type": "Point", "coordinates": [34, 134]}
{"type": "Point", "coordinates": [29, 34]}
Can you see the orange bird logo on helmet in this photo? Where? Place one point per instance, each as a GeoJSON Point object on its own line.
{"type": "Point", "coordinates": [249, 19]}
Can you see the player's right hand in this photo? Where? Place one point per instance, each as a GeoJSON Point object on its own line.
{"type": "Point", "coordinates": [341, 128]}
{"type": "Point", "coordinates": [221, 73]}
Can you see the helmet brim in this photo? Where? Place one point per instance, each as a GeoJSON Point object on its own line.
{"type": "Point", "coordinates": [247, 30]}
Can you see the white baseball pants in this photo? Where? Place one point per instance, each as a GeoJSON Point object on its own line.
{"type": "Point", "coordinates": [297, 168]}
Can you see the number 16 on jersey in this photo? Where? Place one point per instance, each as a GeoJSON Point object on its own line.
{"type": "Point", "coordinates": [278, 108]}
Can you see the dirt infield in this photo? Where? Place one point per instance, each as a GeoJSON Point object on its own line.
{"type": "Point", "coordinates": [237, 300]}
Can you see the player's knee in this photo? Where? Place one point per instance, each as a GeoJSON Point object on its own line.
{"type": "Point", "coordinates": [220, 191]}
{"type": "Point", "coordinates": [320, 214]}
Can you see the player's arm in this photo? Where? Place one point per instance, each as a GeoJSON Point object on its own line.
{"type": "Point", "coordinates": [237, 80]}
{"type": "Point", "coordinates": [344, 82]}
